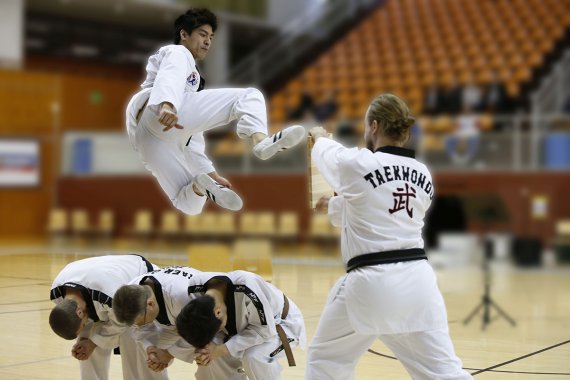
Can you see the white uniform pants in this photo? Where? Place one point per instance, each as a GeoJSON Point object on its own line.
{"type": "Point", "coordinates": [166, 155]}
{"type": "Point", "coordinates": [133, 358]}
{"type": "Point", "coordinates": [227, 368]}
{"type": "Point", "coordinates": [261, 362]}
{"type": "Point", "coordinates": [337, 347]}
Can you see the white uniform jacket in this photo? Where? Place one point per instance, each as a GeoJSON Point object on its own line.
{"type": "Point", "coordinates": [254, 308]}
{"type": "Point", "coordinates": [171, 72]}
{"type": "Point", "coordinates": [98, 278]}
{"type": "Point", "coordinates": [382, 200]}
{"type": "Point", "coordinates": [171, 292]}
{"type": "Point", "coordinates": [382, 196]}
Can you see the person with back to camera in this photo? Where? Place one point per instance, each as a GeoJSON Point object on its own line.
{"type": "Point", "coordinates": [390, 290]}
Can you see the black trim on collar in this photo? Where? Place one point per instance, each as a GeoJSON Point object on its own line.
{"type": "Point", "coordinates": [231, 325]}
{"type": "Point", "coordinates": [254, 299]}
{"type": "Point", "coordinates": [56, 293]}
{"type": "Point", "coordinates": [399, 151]}
{"type": "Point", "coordinates": [88, 296]}
{"type": "Point", "coordinates": [162, 316]}
{"type": "Point", "coordinates": [149, 267]}
{"type": "Point", "coordinates": [201, 85]}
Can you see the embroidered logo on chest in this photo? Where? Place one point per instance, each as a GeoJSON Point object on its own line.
{"type": "Point", "coordinates": [193, 79]}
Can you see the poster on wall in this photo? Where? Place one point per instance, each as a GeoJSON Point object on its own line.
{"type": "Point", "coordinates": [19, 163]}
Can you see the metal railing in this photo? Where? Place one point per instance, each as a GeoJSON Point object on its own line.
{"type": "Point", "coordinates": [515, 146]}
{"type": "Point", "coordinates": [554, 89]}
{"type": "Point", "coordinates": [295, 40]}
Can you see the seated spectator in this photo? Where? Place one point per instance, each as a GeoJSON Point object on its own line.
{"type": "Point", "coordinates": [434, 100]}
{"type": "Point", "coordinates": [345, 130]}
{"type": "Point", "coordinates": [327, 109]}
{"type": "Point", "coordinates": [470, 96]}
{"type": "Point", "coordinates": [452, 97]}
{"type": "Point", "coordinates": [495, 98]}
{"type": "Point", "coordinates": [304, 107]}
{"type": "Point", "coordinates": [463, 144]}
{"type": "Point", "coordinates": [345, 126]}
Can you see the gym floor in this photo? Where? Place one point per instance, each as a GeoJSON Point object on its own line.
{"type": "Point", "coordinates": [538, 299]}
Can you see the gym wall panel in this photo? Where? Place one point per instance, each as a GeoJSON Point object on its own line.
{"type": "Point", "coordinates": [125, 195]}
{"type": "Point", "coordinates": [70, 66]}
{"type": "Point", "coordinates": [289, 192]}
{"type": "Point", "coordinates": [90, 103]}
{"type": "Point", "coordinates": [40, 105]}
{"type": "Point", "coordinates": [23, 211]}
{"type": "Point", "coordinates": [27, 101]}
{"type": "Point", "coordinates": [517, 190]}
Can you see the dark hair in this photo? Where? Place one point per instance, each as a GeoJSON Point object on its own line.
{"type": "Point", "coordinates": [129, 302]}
{"type": "Point", "coordinates": [197, 324]}
{"type": "Point", "coordinates": [392, 115]}
{"type": "Point", "coordinates": [64, 320]}
{"type": "Point", "coordinates": [192, 19]}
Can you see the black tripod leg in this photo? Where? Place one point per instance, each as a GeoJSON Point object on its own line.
{"type": "Point", "coordinates": [473, 313]}
{"type": "Point", "coordinates": [502, 312]}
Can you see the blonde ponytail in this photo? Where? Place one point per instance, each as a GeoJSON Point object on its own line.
{"type": "Point", "coordinates": [392, 115]}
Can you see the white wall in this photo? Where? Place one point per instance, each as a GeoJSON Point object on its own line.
{"type": "Point", "coordinates": [281, 13]}
{"type": "Point", "coordinates": [111, 154]}
{"type": "Point", "coordinates": [11, 33]}
{"type": "Point", "coordinates": [217, 64]}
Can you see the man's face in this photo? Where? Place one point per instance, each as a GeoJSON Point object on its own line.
{"type": "Point", "coordinates": [198, 42]}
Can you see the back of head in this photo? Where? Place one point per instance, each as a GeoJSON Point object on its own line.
{"type": "Point", "coordinates": [393, 116]}
{"type": "Point", "coordinates": [64, 320]}
{"type": "Point", "coordinates": [129, 302]}
{"type": "Point", "coordinates": [197, 324]}
{"type": "Point", "coordinates": [192, 19]}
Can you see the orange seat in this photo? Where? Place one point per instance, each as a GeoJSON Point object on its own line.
{"type": "Point", "coordinates": [405, 46]}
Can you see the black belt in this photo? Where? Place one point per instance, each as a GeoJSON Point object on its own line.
{"type": "Point", "coordinates": [386, 257]}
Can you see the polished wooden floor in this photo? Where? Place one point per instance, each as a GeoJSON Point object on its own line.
{"type": "Point", "coordinates": [538, 299]}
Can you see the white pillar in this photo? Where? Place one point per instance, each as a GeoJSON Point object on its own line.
{"type": "Point", "coordinates": [216, 65]}
{"type": "Point", "coordinates": [11, 33]}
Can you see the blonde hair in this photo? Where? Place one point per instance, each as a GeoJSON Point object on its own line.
{"type": "Point", "coordinates": [392, 115]}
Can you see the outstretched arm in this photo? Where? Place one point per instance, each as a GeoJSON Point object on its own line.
{"type": "Point", "coordinates": [325, 156]}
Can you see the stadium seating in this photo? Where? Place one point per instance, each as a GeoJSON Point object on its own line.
{"type": "Point", "coordinates": [288, 226]}
{"type": "Point", "coordinates": [406, 45]}
{"type": "Point", "coordinates": [142, 225]}
{"type": "Point", "coordinates": [57, 224]}
{"type": "Point", "coordinates": [80, 223]}
{"type": "Point", "coordinates": [106, 223]}
{"type": "Point", "coordinates": [170, 224]}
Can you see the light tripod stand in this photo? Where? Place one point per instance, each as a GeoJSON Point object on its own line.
{"type": "Point", "coordinates": [486, 209]}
